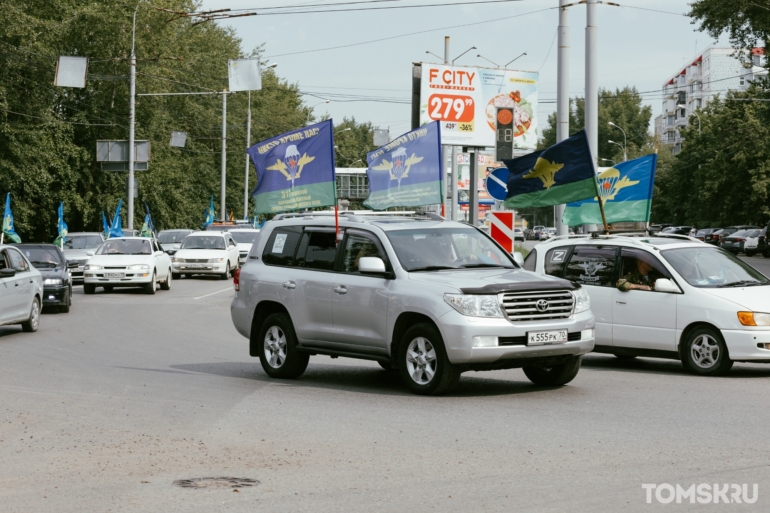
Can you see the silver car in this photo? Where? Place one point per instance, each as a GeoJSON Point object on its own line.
{"type": "Point", "coordinates": [424, 296]}
{"type": "Point", "coordinates": [78, 248]}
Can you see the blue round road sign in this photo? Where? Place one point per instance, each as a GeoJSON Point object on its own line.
{"type": "Point", "coordinates": [497, 183]}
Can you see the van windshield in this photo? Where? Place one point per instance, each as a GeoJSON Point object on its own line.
{"type": "Point", "coordinates": [710, 267]}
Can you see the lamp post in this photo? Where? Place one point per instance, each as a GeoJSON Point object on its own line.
{"type": "Point", "coordinates": [131, 124]}
{"type": "Point", "coordinates": [466, 51]}
{"type": "Point", "coordinates": [493, 62]}
{"type": "Point", "coordinates": [680, 106]}
{"type": "Point", "coordinates": [610, 160]}
{"type": "Point", "coordinates": [625, 141]}
{"type": "Point", "coordinates": [511, 61]}
{"type": "Point", "coordinates": [621, 147]}
{"type": "Point", "coordinates": [310, 110]}
{"type": "Point", "coordinates": [248, 143]}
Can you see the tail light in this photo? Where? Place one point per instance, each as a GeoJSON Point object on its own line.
{"type": "Point", "coordinates": [738, 239]}
{"type": "Point", "coordinates": [237, 279]}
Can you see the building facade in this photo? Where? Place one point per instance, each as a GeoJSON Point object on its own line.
{"type": "Point", "coordinates": [714, 71]}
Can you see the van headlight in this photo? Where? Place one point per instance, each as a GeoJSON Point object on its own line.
{"type": "Point", "coordinates": [582, 300]}
{"type": "Point", "coordinates": [474, 306]}
{"type": "Point", "coordinates": [754, 318]}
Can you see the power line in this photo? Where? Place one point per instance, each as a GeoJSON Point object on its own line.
{"type": "Point", "coordinates": [350, 9]}
{"type": "Point", "coordinates": [55, 120]}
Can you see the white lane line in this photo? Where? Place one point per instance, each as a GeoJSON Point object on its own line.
{"type": "Point", "coordinates": [213, 293]}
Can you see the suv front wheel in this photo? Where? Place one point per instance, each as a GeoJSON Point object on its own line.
{"type": "Point", "coordinates": [277, 344]}
{"type": "Point", "coordinates": [423, 362]}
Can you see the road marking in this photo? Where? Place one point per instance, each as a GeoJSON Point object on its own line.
{"type": "Point", "coordinates": [213, 293]}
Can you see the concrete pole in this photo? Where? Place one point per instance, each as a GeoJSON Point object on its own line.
{"type": "Point", "coordinates": [444, 152]}
{"type": "Point", "coordinates": [562, 96]}
{"type": "Point", "coordinates": [246, 178]}
{"type": "Point", "coordinates": [473, 189]}
{"type": "Point", "coordinates": [131, 122]}
{"type": "Point", "coordinates": [222, 208]}
{"type": "Point", "coordinates": [592, 86]}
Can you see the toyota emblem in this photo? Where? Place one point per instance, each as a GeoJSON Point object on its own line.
{"type": "Point", "coordinates": [541, 305]}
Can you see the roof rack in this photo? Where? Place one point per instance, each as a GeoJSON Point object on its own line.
{"type": "Point", "coordinates": [358, 215]}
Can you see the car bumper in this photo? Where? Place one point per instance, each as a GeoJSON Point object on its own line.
{"type": "Point", "coordinates": [184, 268]}
{"type": "Point", "coordinates": [458, 332]}
{"type": "Point", "coordinates": [129, 279]}
{"type": "Point", "coordinates": [241, 314]}
{"type": "Point", "coordinates": [742, 345]}
{"type": "Point", "coordinates": [77, 273]}
{"type": "Point", "coordinates": [55, 296]}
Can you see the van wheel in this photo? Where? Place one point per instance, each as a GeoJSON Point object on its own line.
{"type": "Point", "coordinates": [277, 346]}
{"type": "Point", "coordinates": [423, 362]}
{"type": "Point", "coordinates": [704, 352]}
{"type": "Point", "coordinates": [31, 324]}
{"type": "Point", "coordinates": [554, 375]}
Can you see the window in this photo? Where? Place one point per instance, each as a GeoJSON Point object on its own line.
{"type": "Point", "coordinates": [126, 247]}
{"type": "Point", "coordinates": [742, 80]}
{"type": "Point", "coordinates": [318, 250]}
{"type": "Point", "coordinates": [530, 262]}
{"type": "Point", "coordinates": [681, 98]}
{"type": "Point", "coordinates": [592, 265]}
{"type": "Point", "coordinates": [358, 246]}
{"type": "Point", "coordinates": [17, 261]}
{"type": "Point", "coordinates": [280, 247]}
{"type": "Point", "coordinates": [670, 120]}
{"type": "Point", "coordinates": [204, 242]}
{"type": "Point", "coordinates": [3, 261]}
{"type": "Point", "coordinates": [42, 257]}
{"type": "Point", "coordinates": [172, 236]}
{"type": "Point", "coordinates": [82, 242]}
{"type": "Point", "coordinates": [555, 260]}
{"type": "Point", "coordinates": [637, 262]}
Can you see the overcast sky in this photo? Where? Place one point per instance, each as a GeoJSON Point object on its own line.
{"type": "Point", "coordinates": [637, 47]}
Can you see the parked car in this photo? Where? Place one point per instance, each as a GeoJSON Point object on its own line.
{"type": "Point", "coordinates": [21, 290]}
{"type": "Point", "coordinates": [704, 234]}
{"type": "Point", "coordinates": [706, 307]}
{"type": "Point", "coordinates": [128, 262]}
{"type": "Point", "coordinates": [244, 238]}
{"type": "Point", "coordinates": [751, 243]}
{"type": "Point", "coordinates": [677, 230]}
{"type": "Point", "coordinates": [55, 270]}
{"type": "Point", "coordinates": [726, 232]}
{"type": "Point", "coordinates": [762, 245]}
{"type": "Point", "coordinates": [171, 240]}
{"type": "Point", "coordinates": [214, 252]}
{"type": "Point", "coordinates": [657, 227]}
{"type": "Point", "coordinates": [78, 248]}
{"type": "Point", "coordinates": [217, 226]}
{"type": "Point", "coordinates": [518, 234]}
{"type": "Point", "coordinates": [427, 297]}
{"type": "Point", "coordinates": [535, 235]}
{"type": "Point", "coordinates": [734, 242]}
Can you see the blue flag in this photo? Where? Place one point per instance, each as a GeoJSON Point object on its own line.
{"type": "Point", "coordinates": [105, 226]}
{"type": "Point", "coordinates": [209, 214]}
{"type": "Point", "coordinates": [295, 170]}
{"type": "Point", "coordinates": [116, 229]}
{"type": "Point", "coordinates": [626, 191]}
{"type": "Point", "coordinates": [61, 226]}
{"type": "Point", "coordinates": [407, 171]}
{"type": "Point", "coordinates": [559, 174]}
{"type": "Point", "coordinates": [8, 230]}
{"type": "Point", "coordinates": [148, 219]}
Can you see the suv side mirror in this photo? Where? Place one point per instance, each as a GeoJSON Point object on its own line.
{"type": "Point", "coordinates": [371, 265]}
{"type": "Point", "coordinates": [666, 285]}
{"type": "Point", "coordinates": [518, 258]}
{"type": "Point", "coordinates": [7, 273]}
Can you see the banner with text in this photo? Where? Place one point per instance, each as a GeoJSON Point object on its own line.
{"type": "Point", "coordinates": [406, 172]}
{"type": "Point", "coordinates": [295, 170]}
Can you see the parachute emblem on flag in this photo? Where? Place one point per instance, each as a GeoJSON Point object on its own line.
{"type": "Point", "coordinates": [399, 166]}
{"type": "Point", "coordinates": [292, 164]}
{"type": "Point", "coordinates": [610, 184]}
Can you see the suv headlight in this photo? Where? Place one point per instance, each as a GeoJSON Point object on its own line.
{"type": "Point", "coordinates": [52, 281]}
{"type": "Point", "coordinates": [137, 267]}
{"type": "Point", "coordinates": [216, 260]}
{"type": "Point", "coordinates": [92, 267]}
{"type": "Point", "coordinates": [582, 300]}
{"type": "Point", "coordinates": [754, 318]}
{"type": "Point", "coordinates": [474, 306]}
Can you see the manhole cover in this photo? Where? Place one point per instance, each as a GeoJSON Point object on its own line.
{"type": "Point", "coordinates": [216, 482]}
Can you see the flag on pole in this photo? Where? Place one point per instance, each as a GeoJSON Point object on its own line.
{"type": "Point", "coordinates": [105, 226]}
{"type": "Point", "coordinates": [295, 170]}
{"type": "Point", "coordinates": [559, 174]}
{"type": "Point", "coordinates": [146, 231]}
{"type": "Point", "coordinates": [406, 172]}
{"type": "Point", "coordinates": [116, 229]}
{"type": "Point", "coordinates": [626, 191]}
{"type": "Point", "coordinates": [61, 227]}
{"type": "Point", "coordinates": [148, 218]}
{"type": "Point", "coordinates": [209, 214]}
{"type": "Point", "coordinates": [8, 230]}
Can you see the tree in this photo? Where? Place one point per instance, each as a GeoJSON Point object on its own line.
{"type": "Point", "coordinates": [746, 21]}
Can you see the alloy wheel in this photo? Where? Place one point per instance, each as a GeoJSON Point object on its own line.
{"type": "Point", "coordinates": [421, 360]}
{"type": "Point", "coordinates": [705, 351]}
{"type": "Point", "coordinates": [34, 316]}
{"type": "Point", "coordinates": [275, 347]}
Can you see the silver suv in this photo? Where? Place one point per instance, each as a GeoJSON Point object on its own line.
{"type": "Point", "coordinates": [424, 296]}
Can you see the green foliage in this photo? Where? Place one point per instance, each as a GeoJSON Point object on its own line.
{"type": "Point", "coordinates": [746, 21]}
{"type": "Point", "coordinates": [353, 141]}
{"type": "Point", "coordinates": [48, 134]}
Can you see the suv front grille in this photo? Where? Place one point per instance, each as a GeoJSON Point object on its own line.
{"type": "Point", "coordinates": [523, 306]}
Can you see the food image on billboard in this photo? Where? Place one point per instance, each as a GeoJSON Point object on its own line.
{"type": "Point", "coordinates": [466, 100]}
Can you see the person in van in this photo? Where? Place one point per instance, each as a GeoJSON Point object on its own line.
{"type": "Point", "coordinates": [642, 276]}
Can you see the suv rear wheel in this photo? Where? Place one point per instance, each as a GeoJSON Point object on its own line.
{"type": "Point", "coordinates": [554, 375]}
{"type": "Point", "coordinates": [277, 345]}
{"type": "Point", "coordinates": [423, 362]}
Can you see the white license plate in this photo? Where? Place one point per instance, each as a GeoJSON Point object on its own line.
{"type": "Point", "coordinates": [196, 266]}
{"type": "Point", "coordinates": [539, 338]}
{"type": "Point", "coordinates": [114, 275]}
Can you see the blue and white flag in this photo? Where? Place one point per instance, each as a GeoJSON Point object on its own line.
{"type": "Point", "coordinates": [61, 226]}
{"type": "Point", "coordinates": [105, 226]}
{"type": "Point", "coordinates": [209, 215]}
{"type": "Point", "coordinates": [8, 230]}
{"type": "Point", "coordinates": [407, 171]}
{"type": "Point", "coordinates": [295, 170]}
{"type": "Point", "coordinates": [116, 229]}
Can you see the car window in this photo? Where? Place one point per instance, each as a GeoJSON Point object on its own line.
{"type": "Point", "coordinates": [82, 242]}
{"type": "Point", "coordinates": [530, 263]}
{"type": "Point", "coordinates": [320, 250]}
{"type": "Point", "coordinates": [641, 267]}
{"type": "Point", "coordinates": [172, 237]}
{"type": "Point", "coordinates": [592, 265]}
{"type": "Point", "coordinates": [245, 237]}
{"type": "Point", "coordinates": [17, 261]}
{"type": "Point", "coordinates": [204, 242]}
{"type": "Point", "coordinates": [231, 242]}
{"type": "Point", "coordinates": [710, 267]}
{"type": "Point", "coordinates": [555, 260]}
{"type": "Point", "coordinates": [125, 247]}
{"type": "Point", "coordinates": [280, 246]}
{"type": "Point", "coordinates": [42, 258]}
{"type": "Point", "coordinates": [358, 246]}
{"type": "Point", "coordinates": [4, 264]}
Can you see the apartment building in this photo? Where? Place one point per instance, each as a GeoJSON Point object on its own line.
{"type": "Point", "coordinates": [714, 71]}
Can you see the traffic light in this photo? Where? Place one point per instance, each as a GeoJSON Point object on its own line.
{"type": "Point", "coordinates": [504, 132]}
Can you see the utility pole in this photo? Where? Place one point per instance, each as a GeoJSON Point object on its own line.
{"type": "Point", "coordinates": [131, 122]}
{"type": "Point", "coordinates": [444, 152]}
{"type": "Point", "coordinates": [592, 81]}
{"type": "Point", "coordinates": [562, 96]}
{"type": "Point", "coordinates": [246, 178]}
{"type": "Point", "coordinates": [223, 209]}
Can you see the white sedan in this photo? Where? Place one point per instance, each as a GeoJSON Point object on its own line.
{"type": "Point", "coordinates": [208, 252]}
{"type": "Point", "coordinates": [245, 238]}
{"type": "Point", "coordinates": [128, 262]}
{"type": "Point", "coordinates": [21, 290]}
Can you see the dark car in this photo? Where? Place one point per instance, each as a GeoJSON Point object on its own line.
{"type": "Point", "coordinates": [658, 227]}
{"type": "Point", "coordinates": [762, 243]}
{"type": "Point", "coordinates": [704, 234]}
{"type": "Point", "coordinates": [735, 241]}
{"type": "Point", "coordinates": [677, 230]}
{"type": "Point", "coordinates": [171, 240]}
{"type": "Point", "coordinates": [57, 282]}
{"type": "Point", "coordinates": [726, 232]}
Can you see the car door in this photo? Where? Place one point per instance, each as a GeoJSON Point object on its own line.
{"type": "Point", "coordinates": [7, 291]}
{"type": "Point", "coordinates": [360, 302]}
{"type": "Point", "coordinates": [233, 254]}
{"type": "Point", "coordinates": [643, 319]}
{"type": "Point", "coordinates": [594, 267]}
{"type": "Point", "coordinates": [23, 285]}
{"type": "Point", "coordinates": [278, 281]}
{"type": "Point", "coordinates": [162, 261]}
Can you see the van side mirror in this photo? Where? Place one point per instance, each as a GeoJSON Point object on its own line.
{"type": "Point", "coordinates": [666, 285]}
{"type": "Point", "coordinates": [371, 265]}
{"type": "Point", "coordinates": [518, 258]}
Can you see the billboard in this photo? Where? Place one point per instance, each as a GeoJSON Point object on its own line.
{"type": "Point", "coordinates": [466, 100]}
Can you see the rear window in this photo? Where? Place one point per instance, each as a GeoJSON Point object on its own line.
{"type": "Point", "coordinates": [318, 250]}
{"type": "Point", "coordinates": [280, 246]}
{"type": "Point", "coordinates": [592, 265]}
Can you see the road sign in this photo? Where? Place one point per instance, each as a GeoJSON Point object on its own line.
{"type": "Point", "coordinates": [497, 183]}
{"type": "Point", "coordinates": [501, 229]}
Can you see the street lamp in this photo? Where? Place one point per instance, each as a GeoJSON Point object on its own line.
{"type": "Point", "coordinates": [680, 106]}
{"type": "Point", "coordinates": [433, 54]}
{"type": "Point", "coordinates": [610, 160]}
{"type": "Point", "coordinates": [621, 147]}
{"type": "Point", "coordinates": [310, 110]}
{"type": "Point", "coordinates": [509, 62]}
{"type": "Point", "coordinates": [493, 62]}
{"type": "Point", "coordinates": [466, 51]}
{"type": "Point", "coordinates": [625, 141]}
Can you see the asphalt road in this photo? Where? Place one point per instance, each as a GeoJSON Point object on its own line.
{"type": "Point", "coordinates": [105, 407]}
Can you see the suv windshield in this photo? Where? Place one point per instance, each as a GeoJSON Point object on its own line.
{"type": "Point", "coordinates": [82, 242]}
{"type": "Point", "coordinates": [712, 267]}
{"type": "Point", "coordinates": [126, 247]}
{"type": "Point", "coordinates": [204, 242]}
{"type": "Point", "coordinates": [42, 257]}
{"type": "Point", "coordinates": [244, 237]}
{"type": "Point", "coordinates": [173, 237]}
{"type": "Point", "coordinates": [446, 248]}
